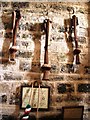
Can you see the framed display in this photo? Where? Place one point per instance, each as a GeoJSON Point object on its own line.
{"type": "Point", "coordinates": [37, 97]}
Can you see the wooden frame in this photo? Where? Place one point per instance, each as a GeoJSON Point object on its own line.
{"type": "Point", "coordinates": [35, 96]}
{"type": "Point", "coordinates": [72, 112]}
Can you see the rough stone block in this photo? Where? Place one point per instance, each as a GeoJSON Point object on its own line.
{"type": "Point", "coordinates": [63, 88]}
{"type": "Point", "coordinates": [56, 77]}
{"type": "Point", "coordinates": [87, 69]}
{"type": "Point", "coordinates": [71, 98]}
{"type": "Point", "coordinates": [12, 76]}
{"type": "Point", "coordinates": [20, 5]}
{"type": "Point", "coordinates": [83, 88]}
{"type": "Point", "coordinates": [25, 65]}
{"type": "Point", "coordinates": [25, 54]}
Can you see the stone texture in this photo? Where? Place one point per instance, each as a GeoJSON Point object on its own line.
{"type": "Point", "coordinates": [84, 88]}
{"type": "Point", "coordinates": [63, 88]}
{"type": "Point", "coordinates": [30, 56]}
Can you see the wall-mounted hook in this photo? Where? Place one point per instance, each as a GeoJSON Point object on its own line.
{"type": "Point", "coordinates": [71, 10]}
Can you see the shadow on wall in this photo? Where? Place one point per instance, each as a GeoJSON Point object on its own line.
{"type": "Point", "coordinates": [37, 31]}
{"type": "Point", "coordinates": [69, 39]}
{"type": "Point", "coordinates": [7, 22]}
{"type": "Point", "coordinates": [87, 67]}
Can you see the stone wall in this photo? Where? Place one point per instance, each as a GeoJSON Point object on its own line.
{"type": "Point", "coordinates": [30, 56]}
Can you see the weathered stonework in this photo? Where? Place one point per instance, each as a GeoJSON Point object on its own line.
{"type": "Point", "coordinates": [30, 55]}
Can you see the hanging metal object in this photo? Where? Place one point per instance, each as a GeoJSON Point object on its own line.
{"type": "Point", "coordinates": [46, 66]}
{"type": "Point", "coordinates": [76, 51]}
{"type": "Point", "coordinates": [15, 22]}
